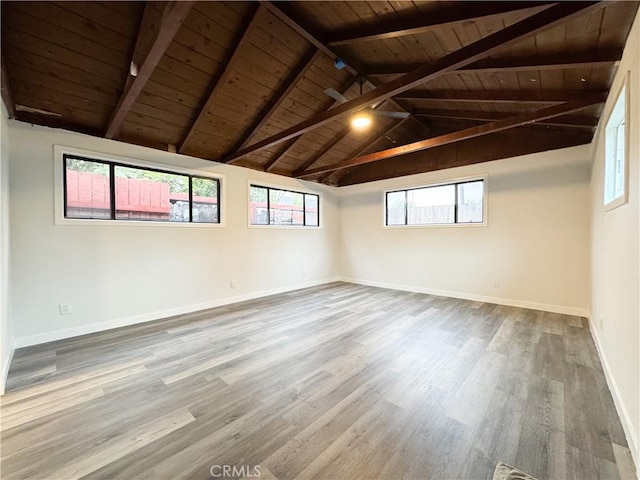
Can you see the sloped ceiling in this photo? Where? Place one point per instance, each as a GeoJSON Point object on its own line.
{"type": "Point", "coordinates": [244, 82]}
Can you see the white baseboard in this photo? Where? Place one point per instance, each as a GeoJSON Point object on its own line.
{"type": "Point", "coordinates": [149, 317]}
{"type": "Point", "coordinates": [579, 312]}
{"type": "Point", "coordinates": [5, 369]}
{"type": "Point", "coordinates": [623, 413]}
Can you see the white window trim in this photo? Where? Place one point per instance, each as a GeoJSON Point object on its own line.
{"type": "Point", "coordinates": [296, 189]}
{"type": "Point", "coordinates": [484, 177]}
{"type": "Point", "coordinates": [624, 198]}
{"type": "Point", "coordinates": [58, 169]}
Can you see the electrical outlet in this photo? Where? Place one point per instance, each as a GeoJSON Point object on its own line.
{"type": "Point", "coordinates": [304, 272]}
{"type": "Point", "coordinates": [495, 283]}
{"type": "Point", "coordinates": [601, 322]}
{"type": "Point", "coordinates": [234, 284]}
{"type": "Point", "coordinates": [65, 308]}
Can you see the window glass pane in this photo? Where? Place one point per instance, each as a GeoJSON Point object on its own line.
{"type": "Point", "coordinates": [470, 197]}
{"type": "Point", "coordinates": [431, 205]}
{"type": "Point", "coordinates": [258, 199]}
{"type": "Point", "coordinates": [396, 208]}
{"type": "Point", "coordinates": [311, 210]}
{"type": "Point", "coordinates": [148, 195]}
{"type": "Point", "coordinates": [88, 189]}
{"type": "Point", "coordinates": [615, 151]}
{"type": "Point", "coordinates": [620, 162]}
{"type": "Point", "coordinates": [205, 200]}
{"type": "Point", "coordinates": [285, 208]}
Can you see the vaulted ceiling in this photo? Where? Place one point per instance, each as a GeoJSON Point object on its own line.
{"type": "Point", "coordinates": [244, 82]}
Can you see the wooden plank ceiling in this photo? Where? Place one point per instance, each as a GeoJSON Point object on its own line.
{"type": "Point", "coordinates": [243, 82]}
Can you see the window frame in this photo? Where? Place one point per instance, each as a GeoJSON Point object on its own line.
{"type": "Point", "coordinates": [269, 187]}
{"type": "Point", "coordinates": [61, 153]}
{"type": "Point", "coordinates": [456, 181]}
{"type": "Point", "coordinates": [624, 198]}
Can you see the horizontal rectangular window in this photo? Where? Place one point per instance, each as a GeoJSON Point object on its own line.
{"type": "Point", "coordinates": [452, 203]}
{"type": "Point", "coordinates": [275, 206]}
{"type": "Point", "coordinates": [96, 189]}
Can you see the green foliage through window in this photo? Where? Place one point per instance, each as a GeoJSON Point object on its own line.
{"type": "Point", "coordinates": [97, 189]}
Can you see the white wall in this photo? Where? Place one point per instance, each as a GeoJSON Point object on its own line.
{"type": "Point", "coordinates": [546, 225]}
{"type": "Point", "coordinates": [114, 275]}
{"type": "Point", "coordinates": [536, 242]}
{"type": "Point", "coordinates": [6, 332]}
{"type": "Point", "coordinates": [615, 257]}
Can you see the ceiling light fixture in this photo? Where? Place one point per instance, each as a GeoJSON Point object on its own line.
{"type": "Point", "coordinates": [361, 121]}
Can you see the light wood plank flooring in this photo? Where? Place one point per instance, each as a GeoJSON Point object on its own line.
{"type": "Point", "coordinates": [335, 382]}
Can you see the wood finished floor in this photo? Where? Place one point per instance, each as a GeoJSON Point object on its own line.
{"type": "Point", "coordinates": [335, 382]}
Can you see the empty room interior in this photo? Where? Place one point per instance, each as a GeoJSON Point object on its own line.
{"type": "Point", "coordinates": [320, 240]}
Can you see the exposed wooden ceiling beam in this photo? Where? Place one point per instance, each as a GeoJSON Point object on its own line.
{"type": "Point", "coordinates": [287, 87]}
{"type": "Point", "coordinates": [377, 137]}
{"type": "Point", "coordinates": [222, 80]}
{"type": "Point", "coordinates": [477, 150]}
{"type": "Point", "coordinates": [270, 165]}
{"type": "Point", "coordinates": [337, 175]}
{"type": "Point", "coordinates": [327, 106]}
{"type": "Point", "coordinates": [337, 138]}
{"type": "Point", "coordinates": [314, 38]}
{"type": "Point", "coordinates": [7, 94]}
{"type": "Point", "coordinates": [324, 150]}
{"type": "Point", "coordinates": [561, 61]}
{"type": "Point", "coordinates": [446, 16]}
{"type": "Point", "coordinates": [605, 59]}
{"type": "Point", "coordinates": [497, 96]}
{"type": "Point", "coordinates": [288, 15]}
{"type": "Point", "coordinates": [148, 30]}
{"type": "Point", "coordinates": [382, 135]}
{"type": "Point", "coordinates": [173, 17]}
{"type": "Point", "coordinates": [486, 129]}
{"type": "Point", "coordinates": [566, 121]}
{"type": "Point", "coordinates": [553, 16]}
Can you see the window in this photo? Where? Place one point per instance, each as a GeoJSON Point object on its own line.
{"type": "Point", "coordinates": [87, 189]}
{"type": "Point", "coordinates": [615, 164]}
{"type": "Point", "coordinates": [274, 206]}
{"type": "Point", "coordinates": [452, 203]}
{"type": "Point", "coordinates": [97, 189]}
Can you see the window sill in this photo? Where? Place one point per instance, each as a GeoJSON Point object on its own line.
{"type": "Point", "coordinates": [79, 222]}
{"type": "Point", "coordinates": [285, 227]}
{"type": "Point", "coordinates": [618, 202]}
{"type": "Point", "coordinates": [437, 225]}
